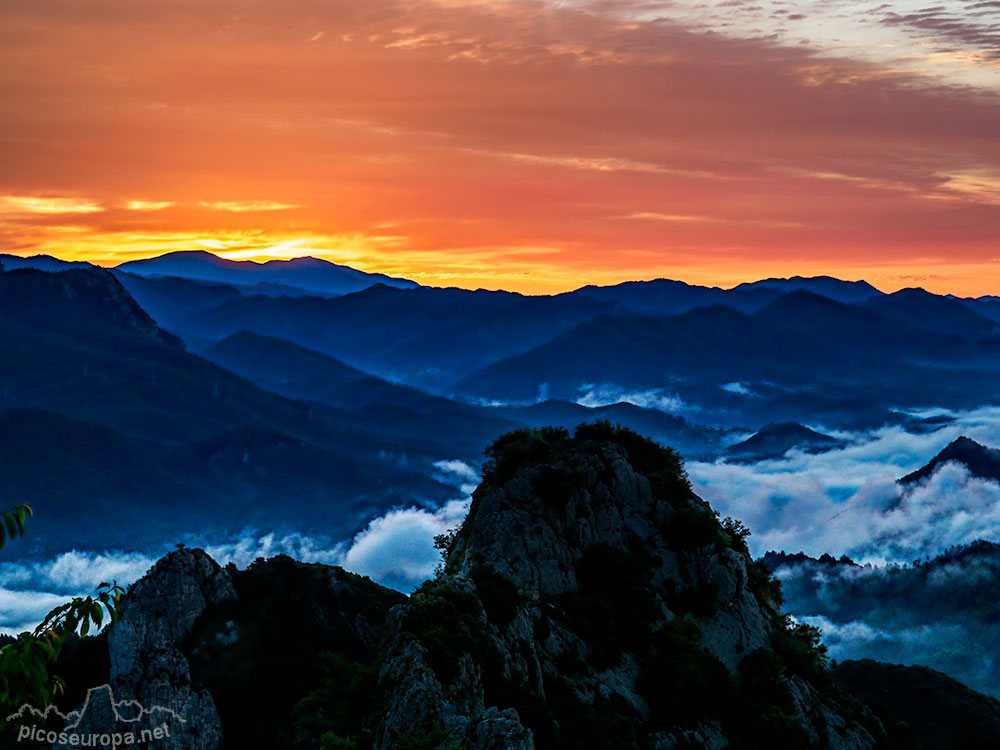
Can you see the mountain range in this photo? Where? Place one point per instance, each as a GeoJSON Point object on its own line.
{"type": "Point", "coordinates": [334, 407]}
{"type": "Point", "coordinates": [106, 413]}
{"type": "Point", "coordinates": [296, 275]}
{"type": "Point", "coordinates": [140, 410]}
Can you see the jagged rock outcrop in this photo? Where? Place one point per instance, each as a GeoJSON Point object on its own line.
{"type": "Point", "coordinates": [232, 651]}
{"type": "Point", "coordinates": [599, 603]}
{"type": "Point", "coordinates": [148, 665]}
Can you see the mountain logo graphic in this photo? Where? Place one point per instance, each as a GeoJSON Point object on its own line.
{"type": "Point", "coordinates": [101, 721]}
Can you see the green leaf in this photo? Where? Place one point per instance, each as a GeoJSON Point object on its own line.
{"type": "Point", "coordinates": [10, 523]}
{"type": "Point", "coordinates": [31, 513]}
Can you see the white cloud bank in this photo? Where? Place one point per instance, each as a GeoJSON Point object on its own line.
{"type": "Point", "coordinates": [847, 501]}
{"type": "Point", "coordinates": [396, 550]}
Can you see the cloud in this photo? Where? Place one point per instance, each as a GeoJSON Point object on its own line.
{"type": "Point", "coordinates": [251, 546]}
{"type": "Point", "coordinates": [458, 474]}
{"type": "Point", "coordinates": [847, 501]}
{"type": "Point", "coordinates": [135, 205]}
{"type": "Point", "coordinates": [980, 185]}
{"type": "Point", "coordinates": [952, 27]}
{"type": "Point", "coordinates": [28, 590]}
{"type": "Point", "coordinates": [23, 610]}
{"type": "Point", "coordinates": [968, 654]}
{"type": "Point", "coordinates": [397, 549]}
{"type": "Point", "coordinates": [739, 389]}
{"type": "Point", "coordinates": [248, 206]}
{"type": "Point", "coordinates": [33, 204]}
{"type": "Point", "coordinates": [654, 398]}
{"type": "Point", "coordinates": [935, 613]}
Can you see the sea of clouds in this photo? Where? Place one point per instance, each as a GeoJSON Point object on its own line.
{"type": "Point", "coordinates": [845, 501]}
{"type": "Point", "coordinates": [395, 549]}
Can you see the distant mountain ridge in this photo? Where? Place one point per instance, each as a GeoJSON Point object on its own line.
{"type": "Point", "coordinates": [666, 297]}
{"type": "Point", "coordinates": [914, 306]}
{"type": "Point", "coordinates": [147, 432]}
{"type": "Point", "coordinates": [795, 341]}
{"type": "Point", "coordinates": [776, 439]}
{"type": "Point", "coordinates": [312, 274]}
{"type": "Point", "coordinates": [980, 461]}
{"type": "Point", "coordinates": [39, 263]}
{"type": "Point", "coordinates": [827, 286]}
{"type": "Point", "coordinates": [917, 611]}
{"type": "Point", "coordinates": [796, 356]}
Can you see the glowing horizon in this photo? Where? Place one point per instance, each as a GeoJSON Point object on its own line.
{"type": "Point", "coordinates": [530, 146]}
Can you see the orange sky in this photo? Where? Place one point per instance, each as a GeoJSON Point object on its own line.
{"type": "Point", "coordinates": [531, 146]}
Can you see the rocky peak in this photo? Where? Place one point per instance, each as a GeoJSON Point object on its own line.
{"type": "Point", "coordinates": [980, 461]}
{"type": "Point", "coordinates": [149, 669]}
{"type": "Point", "coordinates": [591, 600]}
{"type": "Point", "coordinates": [535, 522]}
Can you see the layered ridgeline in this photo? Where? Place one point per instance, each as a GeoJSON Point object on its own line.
{"type": "Point", "coordinates": [942, 612]}
{"type": "Point", "coordinates": [590, 600]}
{"type": "Point", "coordinates": [939, 611]}
{"type": "Point", "coordinates": [104, 412]}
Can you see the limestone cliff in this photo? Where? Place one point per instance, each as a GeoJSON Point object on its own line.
{"type": "Point", "coordinates": [591, 600]}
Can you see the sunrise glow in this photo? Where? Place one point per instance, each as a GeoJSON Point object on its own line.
{"type": "Point", "coordinates": [535, 147]}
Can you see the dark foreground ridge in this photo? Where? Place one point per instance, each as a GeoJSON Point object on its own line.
{"type": "Point", "coordinates": [590, 600]}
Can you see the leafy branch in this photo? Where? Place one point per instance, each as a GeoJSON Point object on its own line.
{"type": "Point", "coordinates": [26, 663]}
{"type": "Point", "coordinates": [13, 522]}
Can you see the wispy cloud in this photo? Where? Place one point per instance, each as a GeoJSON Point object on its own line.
{"type": "Point", "coordinates": [604, 394]}
{"type": "Point", "coordinates": [248, 206]}
{"type": "Point", "coordinates": [979, 185]}
{"type": "Point", "coordinates": [136, 205]}
{"type": "Point", "coordinates": [33, 204]}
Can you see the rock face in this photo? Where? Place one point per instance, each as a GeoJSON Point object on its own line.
{"type": "Point", "coordinates": [593, 601]}
{"type": "Point", "coordinates": [230, 652]}
{"type": "Point", "coordinates": [148, 665]}
{"type": "Point", "coordinates": [590, 600]}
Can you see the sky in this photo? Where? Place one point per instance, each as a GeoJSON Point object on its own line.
{"type": "Point", "coordinates": [534, 146]}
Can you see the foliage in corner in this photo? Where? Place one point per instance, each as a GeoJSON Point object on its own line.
{"type": "Point", "coordinates": [13, 522]}
{"type": "Point", "coordinates": [26, 663]}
